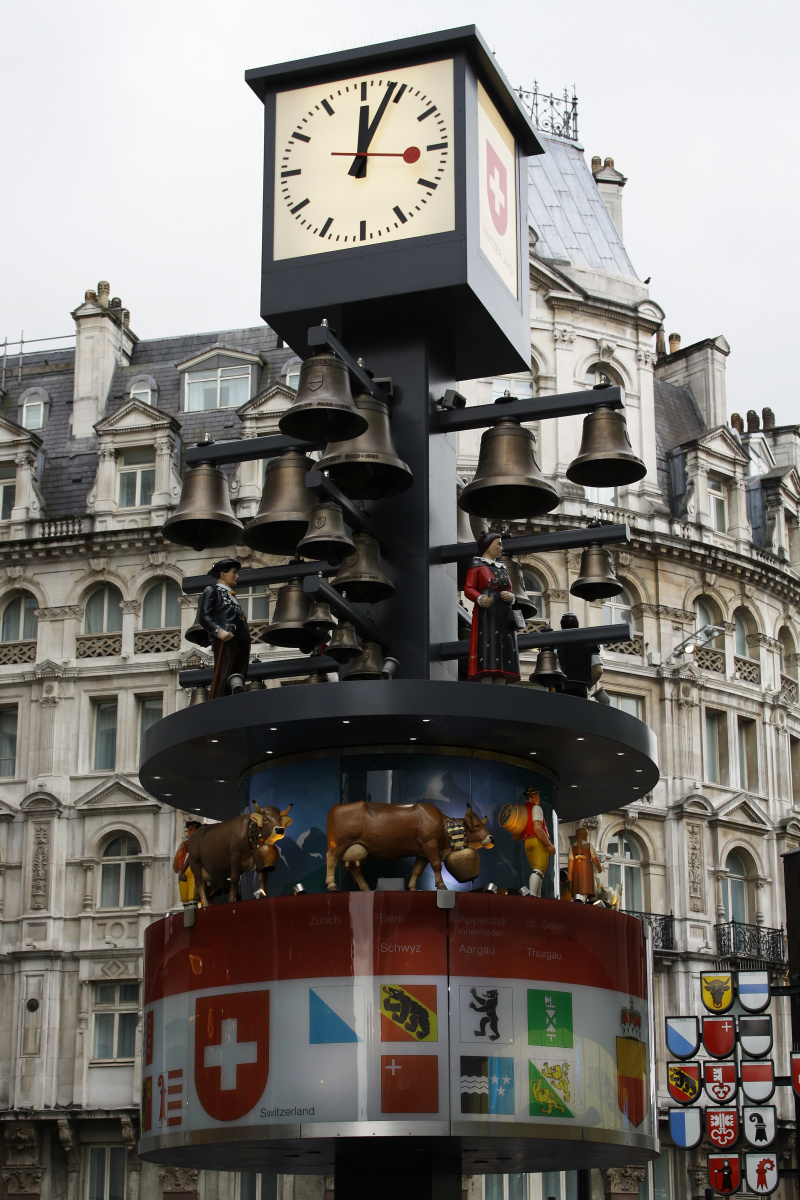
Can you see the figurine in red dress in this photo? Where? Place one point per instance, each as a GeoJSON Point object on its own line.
{"type": "Point", "coordinates": [493, 653]}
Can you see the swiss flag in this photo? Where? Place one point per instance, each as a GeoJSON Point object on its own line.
{"type": "Point", "coordinates": [796, 1074]}
{"type": "Point", "coordinates": [409, 1083]}
{"type": "Point", "coordinates": [719, 1036]}
{"type": "Point", "coordinates": [497, 187]}
{"type": "Point", "coordinates": [231, 1052]}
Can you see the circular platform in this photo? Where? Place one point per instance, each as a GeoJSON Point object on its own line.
{"type": "Point", "coordinates": [600, 757]}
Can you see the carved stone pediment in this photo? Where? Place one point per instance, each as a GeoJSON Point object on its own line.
{"type": "Point", "coordinates": [41, 803]}
{"type": "Point", "coordinates": [117, 795]}
{"type": "Point", "coordinates": [695, 805]}
{"type": "Point", "coordinates": [269, 403]}
{"type": "Point", "coordinates": [135, 417]}
{"type": "Point", "coordinates": [743, 811]}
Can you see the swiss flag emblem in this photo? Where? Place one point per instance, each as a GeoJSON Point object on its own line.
{"type": "Point", "coordinates": [231, 1052]}
{"type": "Point", "coordinates": [497, 187]}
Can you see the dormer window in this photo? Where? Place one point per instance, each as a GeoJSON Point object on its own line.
{"type": "Point", "coordinates": [137, 477]}
{"type": "Point", "coordinates": [8, 490]}
{"type": "Point", "coordinates": [141, 391]}
{"type": "Point", "coordinates": [292, 376]}
{"type": "Point", "coordinates": [33, 413]}
{"type": "Point", "coordinates": [220, 387]}
{"type": "Point", "coordinates": [718, 505]}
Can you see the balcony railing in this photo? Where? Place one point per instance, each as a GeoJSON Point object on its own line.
{"type": "Point", "coordinates": [789, 689]}
{"type": "Point", "coordinates": [13, 653]}
{"type": "Point", "coordinates": [737, 940]}
{"type": "Point", "coordinates": [746, 670]}
{"type": "Point", "coordinates": [62, 527]}
{"type": "Point", "coordinates": [156, 641]}
{"type": "Point", "coordinates": [634, 647]}
{"type": "Point", "coordinates": [98, 645]}
{"type": "Point", "coordinates": [662, 925]}
{"type": "Point", "coordinates": [709, 659]}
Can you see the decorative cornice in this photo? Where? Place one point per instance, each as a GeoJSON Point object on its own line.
{"type": "Point", "coordinates": [63, 613]}
{"type": "Point", "coordinates": [684, 615]}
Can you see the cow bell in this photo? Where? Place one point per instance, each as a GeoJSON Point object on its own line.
{"type": "Point", "coordinates": [597, 580]}
{"type": "Point", "coordinates": [508, 482]}
{"type": "Point", "coordinates": [344, 645]}
{"type": "Point", "coordinates": [319, 622]}
{"type": "Point", "coordinates": [368, 467]}
{"type": "Point", "coordinates": [287, 625]}
{"type": "Point", "coordinates": [282, 517]}
{"type": "Point", "coordinates": [606, 457]}
{"type": "Point", "coordinates": [361, 575]}
{"type": "Point", "coordinates": [521, 599]}
{"type": "Point", "coordinates": [368, 665]}
{"type": "Point", "coordinates": [324, 410]}
{"type": "Point", "coordinates": [547, 671]}
{"type": "Point", "coordinates": [204, 518]}
{"type": "Point", "coordinates": [326, 537]}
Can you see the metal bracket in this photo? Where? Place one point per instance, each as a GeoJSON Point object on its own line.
{"type": "Point", "coordinates": [594, 635]}
{"type": "Point", "coordinates": [539, 408]}
{"type": "Point", "coordinates": [246, 449]}
{"type": "Point", "coordinates": [253, 576]}
{"type": "Point", "coordinates": [323, 335]}
{"type": "Point", "coordinates": [539, 543]}
{"type": "Point", "coordinates": [320, 589]}
{"type": "Point", "coordinates": [280, 668]}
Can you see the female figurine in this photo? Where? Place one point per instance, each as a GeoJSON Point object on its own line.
{"type": "Point", "coordinates": [583, 866]}
{"type": "Point", "coordinates": [493, 653]}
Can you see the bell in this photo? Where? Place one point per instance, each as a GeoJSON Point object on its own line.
{"type": "Point", "coordinates": [317, 677]}
{"type": "Point", "coordinates": [204, 518]}
{"type": "Point", "coordinates": [324, 410]}
{"type": "Point", "coordinates": [368, 665]}
{"type": "Point", "coordinates": [282, 517]}
{"type": "Point", "coordinates": [367, 467]}
{"type": "Point", "coordinates": [361, 576]}
{"type": "Point", "coordinates": [521, 598]}
{"type": "Point", "coordinates": [199, 695]}
{"type": "Point", "coordinates": [320, 621]}
{"type": "Point", "coordinates": [291, 610]}
{"type": "Point", "coordinates": [508, 482]}
{"type": "Point", "coordinates": [255, 685]}
{"type": "Point", "coordinates": [597, 580]}
{"type": "Point", "coordinates": [468, 529]}
{"type": "Point", "coordinates": [606, 457]}
{"type": "Point", "coordinates": [547, 671]}
{"type": "Point", "coordinates": [326, 537]}
{"type": "Point", "coordinates": [344, 645]}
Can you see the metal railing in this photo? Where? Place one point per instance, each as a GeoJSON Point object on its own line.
{"type": "Point", "coordinates": [21, 342]}
{"type": "Point", "coordinates": [662, 925]}
{"type": "Point", "coordinates": [552, 114]}
{"type": "Point", "coordinates": [735, 939]}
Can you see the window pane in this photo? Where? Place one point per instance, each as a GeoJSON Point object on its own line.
{"type": "Point", "coordinates": [9, 500]}
{"type": "Point", "coordinates": [141, 391]}
{"type": "Point", "coordinates": [632, 889]}
{"type": "Point", "coordinates": [131, 847]}
{"type": "Point", "coordinates": [97, 1173]}
{"type": "Point", "coordinates": [105, 736]}
{"type": "Point", "coordinates": [152, 711]}
{"type": "Point", "coordinates": [95, 612]}
{"type": "Point", "coordinates": [551, 1185]}
{"type": "Point", "coordinates": [147, 486]}
{"type": "Point", "coordinates": [712, 748]}
{"type": "Point", "coordinates": [109, 885]}
{"type": "Point", "coordinates": [127, 489]}
{"type": "Point", "coordinates": [116, 1173]}
{"type": "Point", "coordinates": [738, 905]}
{"type": "Point", "coordinates": [133, 885]}
{"type": "Point", "coordinates": [104, 1035]}
{"type": "Point", "coordinates": [703, 614]}
{"type": "Point", "coordinates": [129, 993]}
{"type": "Point", "coordinates": [139, 456]}
{"type": "Point", "coordinates": [740, 634]}
{"type": "Point", "coordinates": [172, 608]}
{"type": "Point", "coordinates": [269, 1186]}
{"type": "Point", "coordinates": [126, 1034]}
{"type": "Point", "coordinates": [740, 731]}
{"type": "Point", "coordinates": [233, 392]}
{"type": "Point", "coordinates": [629, 704]}
{"type": "Point", "coordinates": [8, 741]}
{"type": "Point", "coordinates": [32, 415]}
{"type": "Point", "coordinates": [29, 618]}
{"type": "Point", "coordinates": [516, 1187]}
{"type": "Point", "coordinates": [152, 607]}
{"type": "Point", "coordinates": [104, 993]}
{"type": "Point", "coordinates": [493, 1187]}
{"type": "Point", "coordinates": [249, 1185]}
{"type": "Point", "coordinates": [201, 394]}
{"type": "Point", "coordinates": [113, 849]}
{"type": "Point", "coordinates": [11, 615]}
{"type": "Point", "coordinates": [113, 610]}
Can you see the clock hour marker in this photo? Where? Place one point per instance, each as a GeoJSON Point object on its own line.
{"type": "Point", "coordinates": [327, 108]}
{"type": "Point", "coordinates": [426, 183]}
{"type": "Point", "coordinates": [403, 87]}
{"type": "Point", "coordinates": [297, 207]}
{"type": "Point", "coordinates": [438, 146]}
{"type": "Point", "coordinates": [286, 174]}
{"type": "Point", "coordinates": [302, 137]}
{"type": "Point", "coordinates": [363, 91]}
{"type": "Point", "coordinates": [401, 216]}
{"type": "Point", "coordinates": [326, 227]}
{"type": "Point", "coordinates": [362, 231]}
{"type": "Point", "coordinates": [427, 113]}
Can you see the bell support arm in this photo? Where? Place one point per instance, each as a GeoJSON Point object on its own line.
{"type": "Point", "coordinates": [539, 543]}
{"type": "Point", "coordinates": [320, 589]}
{"type": "Point", "coordinates": [594, 635]}
{"type": "Point", "coordinates": [323, 335]}
{"type": "Point", "coordinates": [193, 584]}
{"type": "Point", "coordinates": [539, 408]}
{"type": "Point", "coordinates": [282, 668]}
{"type": "Point", "coordinates": [246, 449]}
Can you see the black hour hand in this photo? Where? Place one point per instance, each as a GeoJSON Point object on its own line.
{"type": "Point", "coordinates": [366, 132]}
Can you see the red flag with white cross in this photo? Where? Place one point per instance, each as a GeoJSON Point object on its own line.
{"type": "Point", "coordinates": [231, 1052]}
{"type": "Point", "coordinates": [409, 1083]}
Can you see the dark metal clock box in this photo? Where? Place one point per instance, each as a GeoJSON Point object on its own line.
{"type": "Point", "coordinates": [443, 281]}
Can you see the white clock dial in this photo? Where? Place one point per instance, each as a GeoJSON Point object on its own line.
{"type": "Point", "coordinates": [364, 160]}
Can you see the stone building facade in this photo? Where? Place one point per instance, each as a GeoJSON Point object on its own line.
{"type": "Point", "coordinates": [91, 624]}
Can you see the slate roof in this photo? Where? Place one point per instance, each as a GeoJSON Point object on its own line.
{"type": "Point", "coordinates": [568, 214]}
{"type": "Point", "coordinates": [678, 420]}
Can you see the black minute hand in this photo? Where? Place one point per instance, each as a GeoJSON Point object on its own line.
{"type": "Point", "coordinates": [366, 132]}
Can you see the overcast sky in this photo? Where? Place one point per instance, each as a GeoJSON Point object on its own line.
{"type": "Point", "coordinates": [132, 152]}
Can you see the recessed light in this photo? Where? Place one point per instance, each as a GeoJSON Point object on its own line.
{"type": "Point", "coordinates": [573, 785]}
{"type": "Point", "coordinates": [220, 781]}
{"type": "Point", "coordinates": [412, 739]}
{"type": "Point", "coordinates": [170, 793]}
{"type": "Point", "coordinates": [269, 751]}
{"type": "Point", "coordinates": [580, 739]}
{"type": "Point", "coordinates": [213, 741]}
{"type": "Point", "coordinates": [273, 728]}
{"type": "Point", "coordinates": [156, 777]}
{"type": "Point", "coordinates": [426, 720]}
{"type": "Point", "coordinates": [640, 770]}
{"type": "Point", "coordinates": [345, 722]}
{"type": "Point", "coordinates": [533, 753]}
{"type": "Point", "coordinates": [620, 754]}
{"type": "Point", "coordinates": [636, 788]}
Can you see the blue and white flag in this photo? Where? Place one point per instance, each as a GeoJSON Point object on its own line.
{"type": "Point", "coordinates": [683, 1036]}
{"type": "Point", "coordinates": [753, 990]}
{"type": "Point", "coordinates": [686, 1127]}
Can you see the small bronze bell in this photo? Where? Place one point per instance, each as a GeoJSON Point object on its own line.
{"type": "Point", "coordinates": [324, 410]}
{"type": "Point", "coordinates": [326, 537]}
{"type": "Point", "coordinates": [199, 695]}
{"type": "Point", "coordinates": [606, 457]}
{"type": "Point", "coordinates": [204, 518]}
{"type": "Point", "coordinates": [344, 646]}
{"type": "Point", "coordinates": [320, 621]}
{"type": "Point", "coordinates": [508, 482]}
{"type": "Point", "coordinates": [361, 575]}
{"type": "Point", "coordinates": [255, 685]}
{"type": "Point", "coordinates": [597, 580]}
{"type": "Point", "coordinates": [368, 665]}
{"type": "Point", "coordinates": [521, 598]}
{"type": "Point", "coordinates": [291, 611]}
{"type": "Point", "coordinates": [282, 517]}
{"type": "Point", "coordinates": [317, 677]}
{"type": "Point", "coordinates": [368, 467]}
{"type": "Point", "coordinates": [547, 671]}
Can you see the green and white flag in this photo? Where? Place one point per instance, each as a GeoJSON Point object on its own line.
{"type": "Point", "coordinates": [549, 1018]}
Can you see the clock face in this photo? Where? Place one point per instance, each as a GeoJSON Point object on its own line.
{"type": "Point", "coordinates": [364, 160]}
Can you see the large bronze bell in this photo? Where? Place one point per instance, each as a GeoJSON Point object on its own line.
{"type": "Point", "coordinates": [324, 410]}
{"type": "Point", "coordinates": [204, 518]}
{"type": "Point", "coordinates": [368, 467]}
{"type": "Point", "coordinates": [368, 665]}
{"type": "Point", "coordinates": [361, 576]}
{"type": "Point", "coordinates": [199, 695]}
{"type": "Point", "coordinates": [319, 622]}
{"type": "Point", "coordinates": [326, 537]}
{"type": "Point", "coordinates": [597, 580]}
{"type": "Point", "coordinates": [282, 517]}
{"type": "Point", "coordinates": [344, 646]}
{"type": "Point", "coordinates": [508, 482]}
{"type": "Point", "coordinates": [521, 599]}
{"type": "Point", "coordinates": [606, 457]}
{"type": "Point", "coordinates": [287, 625]}
{"type": "Point", "coordinates": [547, 671]}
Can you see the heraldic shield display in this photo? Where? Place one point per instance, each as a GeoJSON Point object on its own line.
{"type": "Point", "coordinates": [722, 1127]}
{"type": "Point", "coordinates": [724, 1173]}
{"type": "Point", "coordinates": [719, 1036]}
{"type": "Point", "coordinates": [755, 1035]}
{"type": "Point", "coordinates": [632, 1066]}
{"type": "Point", "coordinates": [231, 1052]}
{"type": "Point", "coordinates": [761, 1173]}
{"type": "Point", "coordinates": [683, 1081]}
{"type": "Point", "coordinates": [686, 1127]}
{"type": "Point", "coordinates": [716, 990]}
{"type": "Point", "coordinates": [683, 1036]}
{"type": "Point", "coordinates": [759, 1123]}
{"type": "Point", "coordinates": [758, 1081]}
{"type": "Point", "coordinates": [753, 990]}
{"type": "Point", "coordinates": [719, 1080]}
{"type": "Point", "coordinates": [796, 1073]}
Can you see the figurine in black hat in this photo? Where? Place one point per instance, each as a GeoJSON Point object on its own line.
{"type": "Point", "coordinates": [222, 619]}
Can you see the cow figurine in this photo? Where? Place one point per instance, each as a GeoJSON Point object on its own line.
{"type": "Point", "coordinates": [221, 852]}
{"type": "Point", "coordinates": [362, 830]}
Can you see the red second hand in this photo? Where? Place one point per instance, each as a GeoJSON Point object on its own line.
{"type": "Point", "coordinates": [411, 155]}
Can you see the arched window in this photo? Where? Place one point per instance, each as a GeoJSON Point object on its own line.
{"type": "Point", "coordinates": [255, 602]}
{"type": "Point", "coordinates": [141, 390]}
{"type": "Point", "coordinates": [787, 652]}
{"type": "Point", "coordinates": [618, 609]}
{"type": "Point", "coordinates": [292, 375]}
{"type": "Point", "coordinates": [743, 625]}
{"type": "Point", "coordinates": [160, 609]}
{"type": "Point", "coordinates": [705, 613]}
{"type": "Point", "coordinates": [625, 867]}
{"type": "Point", "coordinates": [518, 386]}
{"type": "Point", "coordinates": [734, 888]}
{"type": "Point", "coordinates": [104, 611]}
{"type": "Point", "coordinates": [534, 589]}
{"type": "Point", "coordinates": [601, 373]}
{"type": "Point", "coordinates": [121, 873]}
{"type": "Point", "coordinates": [19, 618]}
{"type": "Point", "coordinates": [33, 411]}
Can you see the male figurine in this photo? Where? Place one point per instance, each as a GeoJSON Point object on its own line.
{"type": "Point", "coordinates": [493, 652]}
{"type": "Point", "coordinates": [223, 621]}
{"type": "Point", "coordinates": [583, 864]}
{"type": "Point", "coordinates": [186, 882]}
{"type": "Point", "coordinates": [582, 665]}
{"type": "Point", "coordinates": [538, 847]}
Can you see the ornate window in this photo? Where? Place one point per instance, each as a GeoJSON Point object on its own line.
{"type": "Point", "coordinates": [107, 1167]}
{"type": "Point", "coordinates": [19, 618]}
{"type": "Point", "coordinates": [116, 1016]}
{"type": "Point", "coordinates": [105, 735]}
{"type": "Point", "coordinates": [718, 505]}
{"type": "Point", "coordinates": [259, 1186]}
{"type": "Point", "coordinates": [521, 387]}
{"type": "Point", "coordinates": [137, 477]}
{"type": "Point", "coordinates": [103, 611]}
{"type": "Point", "coordinates": [218, 387]}
{"type": "Point", "coordinates": [716, 747]}
{"type": "Point", "coordinates": [142, 391]}
{"type": "Point", "coordinates": [734, 888]}
{"type": "Point", "coordinates": [121, 873]}
{"type": "Point", "coordinates": [151, 710]}
{"type": "Point", "coordinates": [292, 374]}
{"type": "Point", "coordinates": [534, 589]}
{"type": "Point", "coordinates": [629, 704]}
{"type": "Point", "coordinates": [33, 411]}
{"type": "Point", "coordinates": [625, 867]}
{"type": "Point", "coordinates": [706, 613]}
{"type": "Point", "coordinates": [787, 653]}
{"type": "Point", "coordinates": [161, 608]}
{"type": "Point", "coordinates": [618, 608]}
{"type": "Point", "coordinates": [8, 490]}
{"type": "Point", "coordinates": [601, 373]}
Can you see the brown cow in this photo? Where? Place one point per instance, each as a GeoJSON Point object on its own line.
{"type": "Point", "coordinates": [361, 830]}
{"type": "Point", "coordinates": [221, 852]}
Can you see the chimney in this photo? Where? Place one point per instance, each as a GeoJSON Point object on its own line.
{"type": "Point", "coordinates": [700, 366]}
{"type": "Point", "coordinates": [103, 292]}
{"type": "Point", "coordinates": [753, 423]}
{"type": "Point", "coordinates": [737, 423]}
{"type": "Point", "coordinates": [610, 183]}
{"type": "Point", "coordinates": [768, 418]}
{"type": "Point", "coordinates": [103, 339]}
{"type": "Point", "coordinates": [674, 343]}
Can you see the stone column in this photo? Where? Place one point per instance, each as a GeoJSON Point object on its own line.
{"type": "Point", "coordinates": [130, 612]}
{"type": "Point", "coordinates": [69, 1141]}
{"type": "Point", "coordinates": [88, 884]}
{"type": "Point", "coordinates": [103, 496]}
{"type": "Point", "coordinates": [134, 1162]}
{"type": "Point", "coordinates": [147, 883]}
{"type": "Point", "coordinates": [161, 492]}
{"type": "Point", "coordinates": [26, 501]}
{"type": "Point", "coordinates": [47, 730]}
{"type": "Point", "coordinates": [620, 1183]}
{"type": "Point", "coordinates": [698, 1181]}
{"type": "Point", "coordinates": [23, 1173]}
